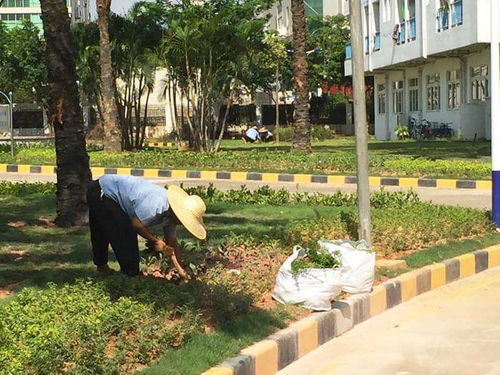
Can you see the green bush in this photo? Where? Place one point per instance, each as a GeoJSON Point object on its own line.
{"type": "Point", "coordinates": [410, 227]}
{"type": "Point", "coordinates": [80, 329]}
{"type": "Point", "coordinates": [26, 188]}
{"type": "Point", "coordinates": [319, 133]}
{"type": "Point", "coordinates": [429, 168]}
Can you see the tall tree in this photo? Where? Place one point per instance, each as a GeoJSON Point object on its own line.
{"type": "Point", "coordinates": [65, 113]}
{"type": "Point", "coordinates": [112, 132]}
{"type": "Point", "coordinates": [302, 128]}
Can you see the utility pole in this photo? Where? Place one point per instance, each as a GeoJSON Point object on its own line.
{"type": "Point", "coordinates": [360, 124]}
{"type": "Point", "coordinates": [277, 108]}
{"type": "Point", "coordinates": [495, 114]}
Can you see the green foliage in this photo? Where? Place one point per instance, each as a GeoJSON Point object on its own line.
{"type": "Point", "coordinates": [19, 189]}
{"type": "Point", "coordinates": [22, 62]}
{"type": "Point", "coordinates": [402, 132]}
{"type": "Point", "coordinates": [319, 133]}
{"type": "Point", "coordinates": [315, 259]}
{"type": "Point", "coordinates": [79, 329]}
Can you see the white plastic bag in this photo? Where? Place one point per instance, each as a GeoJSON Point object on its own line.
{"type": "Point", "coordinates": [358, 264]}
{"type": "Point", "coordinates": [314, 288]}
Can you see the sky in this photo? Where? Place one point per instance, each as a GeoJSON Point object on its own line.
{"type": "Point", "coordinates": [117, 6]}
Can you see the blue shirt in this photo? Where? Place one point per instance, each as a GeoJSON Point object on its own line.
{"type": "Point", "coordinates": [253, 134]}
{"type": "Point", "coordinates": [139, 198]}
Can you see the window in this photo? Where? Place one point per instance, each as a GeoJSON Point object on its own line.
{"type": "Point", "coordinates": [443, 18]}
{"type": "Point", "coordinates": [387, 10]}
{"type": "Point", "coordinates": [14, 17]}
{"type": "Point", "coordinates": [479, 83]}
{"type": "Point", "coordinates": [397, 97]}
{"type": "Point", "coordinates": [454, 97]}
{"type": "Point", "coordinates": [433, 92]}
{"type": "Point", "coordinates": [413, 94]}
{"type": "Point", "coordinates": [456, 13]}
{"type": "Point", "coordinates": [381, 99]}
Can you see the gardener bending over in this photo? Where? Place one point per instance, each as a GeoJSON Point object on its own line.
{"type": "Point", "coordinates": [120, 207]}
{"type": "Point", "coordinates": [251, 135]}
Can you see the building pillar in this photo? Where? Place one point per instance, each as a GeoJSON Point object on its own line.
{"type": "Point", "coordinates": [495, 113]}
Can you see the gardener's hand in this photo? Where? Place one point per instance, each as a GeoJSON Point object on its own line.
{"type": "Point", "coordinates": [160, 246]}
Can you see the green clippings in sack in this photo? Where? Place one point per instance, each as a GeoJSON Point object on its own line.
{"type": "Point", "coordinates": [315, 259]}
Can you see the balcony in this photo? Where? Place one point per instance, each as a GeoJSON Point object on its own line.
{"type": "Point", "coordinates": [456, 13]}
{"type": "Point", "coordinates": [443, 17]}
{"type": "Point", "coordinates": [348, 51]}
{"type": "Point", "coordinates": [376, 41]}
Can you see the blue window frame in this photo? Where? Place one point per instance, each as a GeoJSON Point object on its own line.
{"type": "Point", "coordinates": [456, 13]}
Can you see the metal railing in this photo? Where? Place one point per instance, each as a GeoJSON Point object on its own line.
{"type": "Point", "coordinates": [367, 45]}
{"type": "Point", "coordinates": [402, 33]}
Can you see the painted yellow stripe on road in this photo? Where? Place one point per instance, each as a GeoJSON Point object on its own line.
{"type": "Point", "coordinates": [409, 182]}
{"type": "Point", "coordinates": [378, 300]}
{"type": "Point", "coordinates": [123, 171]}
{"type": "Point", "coordinates": [446, 184]}
{"type": "Point", "coordinates": [220, 370]}
{"type": "Point", "coordinates": [266, 357]}
{"type": "Point", "coordinates": [493, 256]}
{"type": "Point", "coordinates": [483, 185]}
{"type": "Point", "coordinates": [208, 175]}
{"type": "Point", "coordinates": [302, 178]}
{"type": "Point", "coordinates": [336, 180]}
{"type": "Point", "coordinates": [150, 173]}
{"type": "Point", "coordinates": [3, 168]}
{"type": "Point", "coordinates": [23, 168]}
{"type": "Point", "coordinates": [374, 181]}
{"type": "Point", "coordinates": [239, 176]}
{"type": "Point", "coordinates": [47, 169]}
{"type": "Point", "coordinates": [97, 171]}
{"type": "Point", "coordinates": [408, 286]}
{"type": "Point", "coordinates": [467, 265]}
{"type": "Point", "coordinates": [438, 275]}
{"type": "Point", "coordinates": [179, 173]}
{"type": "Point", "coordinates": [270, 177]}
{"type": "Point", "coordinates": [307, 332]}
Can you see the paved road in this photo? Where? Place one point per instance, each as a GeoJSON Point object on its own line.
{"type": "Point", "coordinates": [457, 197]}
{"type": "Point", "coordinates": [451, 330]}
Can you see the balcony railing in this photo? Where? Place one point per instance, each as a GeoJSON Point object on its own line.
{"type": "Point", "coordinates": [376, 41]}
{"type": "Point", "coordinates": [443, 17]}
{"type": "Point", "coordinates": [367, 45]}
{"type": "Point", "coordinates": [402, 33]}
{"type": "Point", "coordinates": [456, 13]}
{"type": "Point", "coordinates": [412, 29]}
{"type": "Point", "coordinates": [348, 51]}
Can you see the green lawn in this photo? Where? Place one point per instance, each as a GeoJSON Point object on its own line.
{"type": "Point", "coordinates": [157, 319]}
{"type": "Point", "coordinates": [445, 159]}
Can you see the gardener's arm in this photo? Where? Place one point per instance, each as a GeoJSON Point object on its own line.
{"type": "Point", "coordinates": [144, 232]}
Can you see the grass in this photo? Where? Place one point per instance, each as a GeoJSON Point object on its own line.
{"type": "Point", "coordinates": [443, 158]}
{"type": "Point", "coordinates": [32, 255]}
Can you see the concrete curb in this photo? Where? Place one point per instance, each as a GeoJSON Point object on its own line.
{"type": "Point", "coordinates": [286, 346]}
{"type": "Point", "coordinates": [258, 176]}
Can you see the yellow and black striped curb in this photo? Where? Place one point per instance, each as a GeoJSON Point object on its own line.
{"type": "Point", "coordinates": [279, 350]}
{"type": "Point", "coordinates": [264, 177]}
{"type": "Point", "coordinates": [160, 144]}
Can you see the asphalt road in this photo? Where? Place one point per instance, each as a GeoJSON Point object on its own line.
{"type": "Point", "coordinates": [456, 197]}
{"type": "Point", "coordinates": [451, 330]}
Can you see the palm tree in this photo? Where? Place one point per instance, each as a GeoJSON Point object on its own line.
{"type": "Point", "coordinates": [302, 131]}
{"type": "Point", "coordinates": [65, 114]}
{"type": "Point", "coordinates": [112, 132]}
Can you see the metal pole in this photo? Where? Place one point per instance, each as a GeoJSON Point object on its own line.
{"type": "Point", "coordinates": [11, 121]}
{"type": "Point", "coordinates": [360, 123]}
{"type": "Point", "coordinates": [277, 109]}
{"type": "Point", "coordinates": [495, 114]}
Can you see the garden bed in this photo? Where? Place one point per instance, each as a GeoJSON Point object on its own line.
{"type": "Point", "coordinates": [431, 159]}
{"type": "Point", "coordinates": [83, 322]}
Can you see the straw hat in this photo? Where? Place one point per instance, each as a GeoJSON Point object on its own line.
{"type": "Point", "coordinates": [189, 209]}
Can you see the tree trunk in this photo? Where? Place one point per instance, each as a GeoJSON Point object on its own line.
{"type": "Point", "coordinates": [112, 132]}
{"type": "Point", "coordinates": [302, 130]}
{"type": "Point", "coordinates": [65, 114]}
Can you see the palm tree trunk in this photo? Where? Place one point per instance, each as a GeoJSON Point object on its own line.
{"type": "Point", "coordinates": [112, 132]}
{"type": "Point", "coordinates": [302, 129]}
{"type": "Point", "coordinates": [66, 116]}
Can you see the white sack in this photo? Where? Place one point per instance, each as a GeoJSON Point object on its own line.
{"type": "Point", "coordinates": [358, 264]}
{"type": "Point", "coordinates": [315, 288]}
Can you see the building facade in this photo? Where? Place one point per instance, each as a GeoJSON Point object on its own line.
{"type": "Point", "coordinates": [13, 12]}
{"type": "Point", "coordinates": [430, 60]}
{"type": "Point", "coordinates": [281, 14]}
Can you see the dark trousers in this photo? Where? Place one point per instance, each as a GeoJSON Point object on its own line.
{"type": "Point", "coordinates": [109, 224]}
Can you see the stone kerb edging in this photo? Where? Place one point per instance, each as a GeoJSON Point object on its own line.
{"type": "Point", "coordinates": [286, 346]}
{"type": "Point", "coordinates": [258, 176]}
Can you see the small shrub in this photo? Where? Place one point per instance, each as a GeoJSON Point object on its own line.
{"type": "Point", "coordinates": [402, 132]}
{"type": "Point", "coordinates": [25, 188]}
{"type": "Point", "coordinates": [315, 259]}
{"type": "Point", "coordinates": [308, 232]}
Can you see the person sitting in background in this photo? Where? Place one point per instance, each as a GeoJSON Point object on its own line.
{"type": "Point", "coordinates": [251, 135]}
{"type": "Point", "coordinates": [265, 135]}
